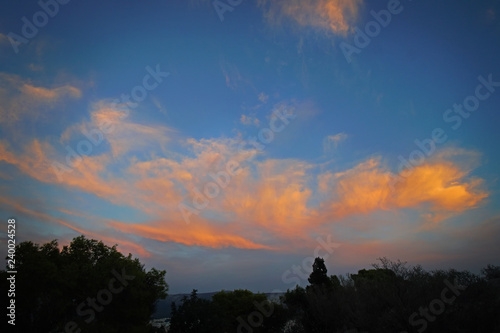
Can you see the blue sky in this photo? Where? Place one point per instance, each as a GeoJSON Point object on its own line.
{"type": "Point", "coordinates": [219, 140]}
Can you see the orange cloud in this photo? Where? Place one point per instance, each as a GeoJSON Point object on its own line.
{"type": "Point", "coordinates": [270, 200]}
{"type": "Point", "coordinates": [86, 175]}
{"type": "Point", "coordinates": [335, 16]}
{"type": "Point", "coordinates": [275, 198]}
{"type": "Point", "coordinates": [101, 235]}
{"type": "Point", "coordinates": [50, 95]}
{"type": "Point", "coordinates": [439, 183]}
{"type": "Point", "coordinates": [122, 134]}
{"type": "Point", "coordinates": [153, 186]}
{"type": "Point", "coordinates": [34, 161]}
{"type": "Point", "coordinates": [21, 99]}
{"type": "Point", "coordinates": [442, 185]}
{"type": "Point", "coordinates": [199, 234]}
{"type": "Point", "coordinates": [361, 189]}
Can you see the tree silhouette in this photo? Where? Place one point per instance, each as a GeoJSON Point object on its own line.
{"type": "Point", "coordinates": [86, 286]}
{"type": "Point", "coordinates": [393, 297]}
{"type": "Point", "coordinates": [319, 275]}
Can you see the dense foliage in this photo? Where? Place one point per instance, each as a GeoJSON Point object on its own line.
{"type": "Point", "coordinates": [390, 297]}
{"type": "Point", "coordinates": [228, 311]}
{"type": "Point", "coordinates": [85, 287]}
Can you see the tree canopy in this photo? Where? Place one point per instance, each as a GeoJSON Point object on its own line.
{"type": "Point", "coordinates": [86, 286]}
{"type": "Point", "coordinates": [227, 311]}
{"type": "Point", "coordinates": [393, 297]}
{"type": "Point", "coordinates": [390, 297]}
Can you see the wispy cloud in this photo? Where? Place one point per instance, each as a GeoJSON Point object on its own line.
{"type": "Point", "coordinates": [335, 16]}
{"type": "Point", "coordinates": [159, 106]}
{"type": "Point", "coordinates": [4, 39]}
{"type": "Point", "coordinates": [200, 234]}
{"type": "Point", "coordinates": [231, 74]}
{"type": "Point", "coordinates": [332, 141]}
{"type": "Point", "coordinates": [268, 198]}
{"type": "Point", "coordinates": [74, 228]}
{"type": "Point", "coordinates": [439, 185]}
{"type": "Point", "coordinates": [22, 100]}
{"type": "Point", "coordinates": [249, 120]}
{"type": "Point", "coordinates": [35, 67]}
{"type": "Point", "coordinates": [266, 205]}
{"type": "Point", "coordinates": [263, 97]}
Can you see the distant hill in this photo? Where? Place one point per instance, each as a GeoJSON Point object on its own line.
{"type": "Point", "coordinates": [163, 307]}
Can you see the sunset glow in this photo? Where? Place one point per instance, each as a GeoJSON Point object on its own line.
{"type": "Point", "coordinates": [222, 143]}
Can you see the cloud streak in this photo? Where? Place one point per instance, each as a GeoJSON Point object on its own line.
{"type": "Point", "coordinates": [267, 204]}
{"type": "Point", "coordinates": [439, 185]}
{"type": "Point", "coordinates": [23, 100]}
{"type": "Point", "coordinates": [332, 141]}
{"type": "Point", "coordinates": [333, 16]}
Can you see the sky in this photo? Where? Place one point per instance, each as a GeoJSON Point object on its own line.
{"type": "Point", "coordinates": [229, 142]}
